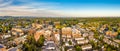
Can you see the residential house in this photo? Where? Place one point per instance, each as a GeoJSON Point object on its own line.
{"type": "Point", "coordinates": [17, 31]}
{"type": "Point", "coordinates": [5, 36]}
{"type": "Point", "coordinates": [76, 33]}
{"type": "Point", "coordinates": [36, 26]}
{"type": "Point", "coordinates": [20, 39]}
{"type": "Point", "coordinates": [87, 47]}
{"type": "Point", "coordinates": [111, 33]}
{"type": "Point", "coordinates": [2, 48]}
{"type": "Point", "coordinates": [49, 45]}
{"type": "Point", "coordinates": [38, 34]}
{"type": "Point", "coordinates": [81, 41]}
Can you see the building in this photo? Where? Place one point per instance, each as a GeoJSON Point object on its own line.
{"type": "Point", "coordinates": [17, 31]}
{"type": "Point", "coordinates": [57, 37]}
{"type": "Point", "coordinates": [85, 34]}
{"type": "Point", "coordinates": [50, 27]}
{"type": "Point", "coordinates": [57, 23]}
{"type": "Point", "coordinates": [76, 33]}
{"type": "Point", "coordinates": [67, 31]}
{"type": "Point", "coordinates": [13, 49]}
{"type": "Point", "coordinates": [111, 33]}
{"type": "Point", "coordinates": [36, 26]}
{"type": "Point", "coordinates": [38, 34]}
{"type": "Point", "coordinates": [86, 47]}
{"type": "Point", "coordinates": [2, 48]}
{"type": "Point", "coordinates": [49, 45]}
{"type": "Point", "coordinates": [31, 31]}
{"type": "Point", "coordinates": [5, 36]}
{"type": "Point", "coordinates": [81, 41]}
{"type": "Point", "coordinates": [47, 33]}
{"type": "Point", "coordinates": [56, 31]}
{"type": "Point", "coordinates": [20, 39]}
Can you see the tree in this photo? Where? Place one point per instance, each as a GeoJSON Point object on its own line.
{"type": "Point", "coordinates": [65, 48]}
{"type": "Point", "coordinates": [70, 43]}
{"type": "Point", "coordinates": [0, 30]}
{"type": "Point", "coordinates": [30, 44]}
{"type": "Point", "coordinates": [31, 39]}
{"type": "Point", "coordinates": [108, 49]}
{"type": "Point", "coordinates": [78, 48]}
{"type": "Point", "coordinates": [40, 41]}
{"type": "Point", "coordinates": [26, 47]}
{"type": "Point", "coordinates": [118, 37]}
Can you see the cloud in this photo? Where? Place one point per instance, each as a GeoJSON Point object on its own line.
{"type": "Point", "coordinates": [4, 3]}
{"type": "Point", "coordinates": [28, 9]}
{"type": "Point", "coordinates": [25, 0]}
{"type": "Point", "coordinates": [48, 10]}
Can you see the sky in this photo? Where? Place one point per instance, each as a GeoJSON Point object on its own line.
{"type": "Point", "coordinates": [60, 8]}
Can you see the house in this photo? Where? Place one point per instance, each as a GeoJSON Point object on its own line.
{"type": "Point", "coordinates": [67, 31]}
{"type": "Point", "coordinates": [37, 26]}
{"type": "Point", "coordinates": [86, 47]}
{"type": "Point", "coordinates": [57, 37]}
{"type": "Point", "coordinates": [50, 27]}
{"type": "Point", "coordinates": [50, 45]}
{"type": "Point", "coordinates": [81, 38]}
{"type": "Point", "coordinates": [81, 41]}
{"type": "Point", "coordinates": [111, 33]}
{"type": "Point", "coordinates": [17, 31]}
{"type": "Point", "coordinates": [38, 34]}
{"type": "Point", "coordinates": [5, 36]}
{"type": "Point", "coordinates": [31, 31]}
{"type": "Point", "coordinates": [85, 34]}
{"type": "Point", "coordinates": [70, 48]}
{"type": "Point", "coordinates": [47, 33]}
{"type": "Point", "coordinates": [57, 23]}
{"type": "Point", "coordinates": [20, 39]}
{"type": "Point", "coordinates": [76, 33]}
{"type": "Point", "coordinates": [56, 31]}
{"type": "Point", "coordinates": [66, 44]}
{"type": "Point", "coordinates": [116, 40]}
{"type": "Point", "coordinates": [46, 42]}
{"type": "Point", "coordinates": [13, 49]}
{"type": "Point", "coordinates": [91, 33]}
{"type": "Point", "coordinates": [2, 48]}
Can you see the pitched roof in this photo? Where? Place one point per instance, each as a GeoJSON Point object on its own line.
{"type": "Point", "coordinates": [1, 46]}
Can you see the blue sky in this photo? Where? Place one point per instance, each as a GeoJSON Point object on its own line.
{"type": "Point", "coordinates": [77, 8]}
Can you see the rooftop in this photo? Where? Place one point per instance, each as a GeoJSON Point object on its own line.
{"type": "Point", "coordinates": [1, 46]}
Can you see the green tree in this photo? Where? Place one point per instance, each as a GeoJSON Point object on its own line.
{"type": "Point", "coordinates": [65, 48]}
{"type": "Point", "coordinates": [40, 41]}
{"type": "Point", "coordinates": [70, 43]}
{"type": "Point", "coordinates": [78, 48]}
{"type": "Point", "coordinates": [31, 39]}
{"type": "Point", "coordinates": [118, 37]}
{"type": "Point", "coordinates": [108, 49]}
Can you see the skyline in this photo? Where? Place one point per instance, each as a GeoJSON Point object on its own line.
{"type": "Point", "coordinates": [60, 8]}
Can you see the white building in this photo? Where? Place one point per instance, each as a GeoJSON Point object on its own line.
{"type": "Point", "coordinates": [5, 36]}
{"type": "Point", "coordinates": [86, 47]}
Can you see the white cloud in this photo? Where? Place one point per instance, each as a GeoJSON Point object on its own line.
{"type": "Point", "coordinates": [93, 13]}
{"type": "Point", "coordinates": [4, 3]}
{"type": "Point", "coordinates": [28, 11]}
{"type": "Point", "coordinates": [48, 10]}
